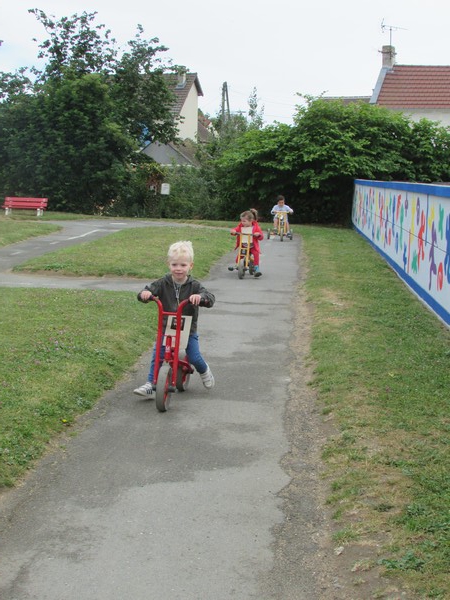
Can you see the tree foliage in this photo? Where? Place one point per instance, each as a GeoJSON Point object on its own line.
{"type": "Point", "coordinates": [315, 161]}
{"type": "Point", "coordinates": [75, 46]}
{"type": "Point", "coordinates": [64, 144]}
{"type": "Point", "coordinates": [250, 171]}
{"type": "Point", "coordinates": [255, 114]}
{"type": "Point", "coordinates": [70, 130]}
{"type": "Point", "coordinates": [140, 92]}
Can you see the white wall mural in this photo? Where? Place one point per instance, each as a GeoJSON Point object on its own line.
{"type": "Point", "coordinates": [409, 224]}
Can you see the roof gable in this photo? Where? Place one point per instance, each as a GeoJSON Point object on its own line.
{"type": "Point", "coordinates": [171, 153]}
{"type": "Point", "coordinates": [406, 86]}
{"type": "Point", "coordinates": [180, 86]}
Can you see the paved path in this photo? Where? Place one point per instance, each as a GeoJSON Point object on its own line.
{"type": "Point", "coordinates": [192, 504]}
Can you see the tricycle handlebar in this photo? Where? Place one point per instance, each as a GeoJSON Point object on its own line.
{"type": "Point", "coordinates": [257, 234]}
{"type": "Point", "coordinates": [182, 304]}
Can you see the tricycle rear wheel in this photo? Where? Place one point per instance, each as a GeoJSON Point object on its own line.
{"type": "Point", "coordinates": [163, 383]}
{"type": "Point", "coordinates": [183, 377]}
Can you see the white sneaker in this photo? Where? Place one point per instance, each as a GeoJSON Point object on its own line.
{"type": "Point", "coordinates": [145, 390]}
{"type": "Point", "coordinates": [207, 378]}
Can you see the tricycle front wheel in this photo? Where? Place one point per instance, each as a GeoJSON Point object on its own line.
{"type": "Point", "coordinates": [163, 385]}
{"type": "Point", "coordinates": [241, 268]}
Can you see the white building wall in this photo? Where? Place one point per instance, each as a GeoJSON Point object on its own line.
{"type": "Point", "coordinates": [442, 116]}
{"type": "Point", "coordinates": [188, 126]}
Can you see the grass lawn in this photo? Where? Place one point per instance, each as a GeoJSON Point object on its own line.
{"type": "Point", "coordinates": [139, 252]}
{"type": "Point", "coordinates": [382, 375]}
{"type": "Point", "coordinates": [382, 372]}
{"type": "Point", "coordinates": [12, 231]}
{"type": "Point", "coordinates": [55, 363]}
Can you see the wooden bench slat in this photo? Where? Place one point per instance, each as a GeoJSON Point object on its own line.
{"type": "Point", "coordinates": [24, 205]}
{"type": "Point", "coordinates": [26, 201]}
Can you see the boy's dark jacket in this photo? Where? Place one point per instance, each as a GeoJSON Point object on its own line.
{"type": "Point", "coordinates": [164, 289]}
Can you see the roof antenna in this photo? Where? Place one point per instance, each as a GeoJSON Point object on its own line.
{"type": "Point", "coordinates": [391, 28]}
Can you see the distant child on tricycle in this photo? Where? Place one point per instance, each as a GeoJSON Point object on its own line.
{"type": "Point", "coordinates": [248, 234]}
{"type": "Point", "coordinates": [280, 214]}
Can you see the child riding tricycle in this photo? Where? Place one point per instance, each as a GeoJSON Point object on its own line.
{"type": "Point", "coordinates": [280, 220]}
{"type": "Point", "coordinates": [248, 234]}
{"type": "Point", "coordinates": [176, 352]}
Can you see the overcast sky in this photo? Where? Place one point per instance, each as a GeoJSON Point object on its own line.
{"type": "Point", "coordinates": [279, 47]}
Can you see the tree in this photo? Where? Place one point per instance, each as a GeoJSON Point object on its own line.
{"type": "Point", "coordinates": [251, 172]}
{"type": "Point", "coordinates": [71, 132]}
{"type": "Point", "coordinates": [65, 144]}
{"type": "Point", "coordinates": [75, 46]}
{"type": "Point", "coordinates": [13, 85]}
{"type": "Point", "coordinates": [335, 143]}
{"type": "Point", "coordinates": [228, 131]}
{"type": "Point", "coordinates": [142, 97]}
{"type": "Point", "coordinates": [189, 195]}
{"type": "Point", "coordinates": [315, 161]}
{"type": "Point", "coordinates": [255, 116]}
{"type": "Point", "coordinates": [429, 151]}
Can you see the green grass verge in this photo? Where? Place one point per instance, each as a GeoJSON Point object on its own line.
{"type": "Point", "coordinates": [139, 252]}
{"type": "Point", "coordinates": [61, 349]}
{"type": "Point", "coordinates": [30, 215]}
{"type": "Point", "coordinates": [382, 371]}
{"type": "Point", "coordinates": [12, 231]}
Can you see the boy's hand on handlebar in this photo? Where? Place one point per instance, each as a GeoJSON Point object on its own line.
{"type": "Point", "coordinates": [195, 299]}
{"type": "Point", "coordinates": [233, 232]}
{"type": "Point", "coordinates": [198, 300]}
{"type": "Point", "coordinates": [145, 296]}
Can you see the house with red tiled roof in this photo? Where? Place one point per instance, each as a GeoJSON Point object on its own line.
{"type": "Point", "coordinates": [417, 91]}
{"type": "Point", "coordinates": [186, 89]}
{"type": "Point", "coordinates": [421, 91]}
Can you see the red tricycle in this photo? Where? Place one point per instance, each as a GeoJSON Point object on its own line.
{"type": "Point", "coordinates": [173, 369]}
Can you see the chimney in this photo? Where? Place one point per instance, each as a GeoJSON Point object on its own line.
{"type": "Point", "coordinates": [389, 55]}
{"type": "Point", "coordinates": [181, 79]}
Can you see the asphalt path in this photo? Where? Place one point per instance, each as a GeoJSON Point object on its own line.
{"type": "Point", "coordinates": [192, 504]}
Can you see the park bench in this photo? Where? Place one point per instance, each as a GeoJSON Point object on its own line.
{"type": "Point", "coordinates": [38, 204]}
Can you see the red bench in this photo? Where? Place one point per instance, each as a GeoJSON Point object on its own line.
{"type": "Point", "coordinates": [38, 204]}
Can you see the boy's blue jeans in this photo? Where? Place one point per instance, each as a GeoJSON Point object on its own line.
{"type": "Point", "coordinates": [192, 350]}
